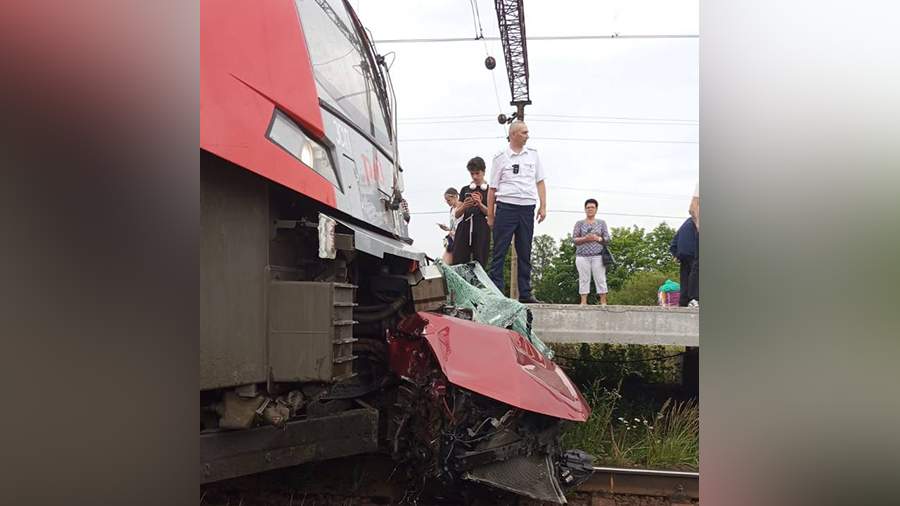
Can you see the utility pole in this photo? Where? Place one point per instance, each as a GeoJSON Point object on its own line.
{"type": "Point", "coordinates": [511, 21]}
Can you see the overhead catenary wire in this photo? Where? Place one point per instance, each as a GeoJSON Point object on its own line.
{"type": "Point", "coordinates": [579, 211]}
{"type": "Point", "coordinates": [612, 36]}
{"type": "Point", "coordinates": [585, 117]}
{"type": "Point", "coordinates": [669, 196]}
{"type": "Point", "coordinates": [541, 139]}
{"type": "Point", "coordinates": [533, 119]}
{"type": "Point", "coordinates": [447, 116]}
{"type": "Point", "coordinates": [537, 115]}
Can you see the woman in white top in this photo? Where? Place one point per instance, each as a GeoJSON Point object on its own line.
{"type": "Point", "coordinates": [451, 197]}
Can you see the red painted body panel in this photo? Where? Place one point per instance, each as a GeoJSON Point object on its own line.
{"type": "Point", "coordinates": [502, 365]}
{"type": "Point", "coordinates": [402, 355]}
{"type": "Point", "coordinates": [253, 58]}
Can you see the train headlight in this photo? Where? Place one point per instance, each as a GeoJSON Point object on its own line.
{"type": "Point", "coordinates": [290, 137]}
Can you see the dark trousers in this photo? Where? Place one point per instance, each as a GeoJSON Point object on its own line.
{"type": "Point", "coordinates": [473, 238]}
{"type": "Point", "coordinates": [512, 220]}
{"type": "Point", "coordinates": [694, 292]}
{"type": "Point", "coordinates": [685, 265]}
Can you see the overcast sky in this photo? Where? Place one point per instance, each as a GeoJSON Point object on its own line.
{"type": "Point", "coordinates": [620, 89]}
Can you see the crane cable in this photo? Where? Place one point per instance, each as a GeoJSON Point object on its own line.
{"type": "Point", "coordinates": [479, 34]}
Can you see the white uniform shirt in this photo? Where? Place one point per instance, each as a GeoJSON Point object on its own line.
{"type": "Point", "coordinates": [514, 176]}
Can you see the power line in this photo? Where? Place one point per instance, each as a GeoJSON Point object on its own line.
{"type": "Point", "coordinates": [566, 211]}
{"type": "Point", "coordinates": [446, 116]}
{"type": "Point", "coordinates": [668, 196]}
{"type": "Point", "coordinates": [452, 139]}
{"type": "Point", "coordinates": [571, 116]}
{"type": "Point", "coordinates": [541, 139]}
{"type": "Point", "coordinates": [633, 215]}
{"type": "Point", "coordinates": [532, 119]}
{"type": "Point", "coordinates": [480, 117]}
{"type": "Point", "coordinates": [545, 37]}
{"type": "Point", "coordinates": [614, 192]}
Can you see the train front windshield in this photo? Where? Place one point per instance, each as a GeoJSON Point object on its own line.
{"type": "Point", "coordinates": [344, 69]}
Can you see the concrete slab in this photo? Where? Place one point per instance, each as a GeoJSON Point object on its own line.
{"type": "Point", "coordinates": [649, 325]}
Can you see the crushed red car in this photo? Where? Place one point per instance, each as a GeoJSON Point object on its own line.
{"type": "Point", "coordinates": [481, 404]}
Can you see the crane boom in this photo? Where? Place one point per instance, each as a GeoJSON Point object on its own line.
{"type": "Point", "coordinates": [511, 21]}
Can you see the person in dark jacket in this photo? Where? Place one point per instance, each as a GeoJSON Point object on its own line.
{"type": "Point", "coordinates": [685, 248]}
{"type": "Point", "coordinates": [473, 236]}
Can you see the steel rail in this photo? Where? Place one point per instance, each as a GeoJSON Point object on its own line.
{"type": "Point", "coordinates": [647, 482]}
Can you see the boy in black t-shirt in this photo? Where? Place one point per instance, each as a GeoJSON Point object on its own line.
{"type": "Point", "coordinates": [473, 235]}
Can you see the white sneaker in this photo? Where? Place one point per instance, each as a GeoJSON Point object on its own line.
{"type": "Point", "coordinates": [694, 303]}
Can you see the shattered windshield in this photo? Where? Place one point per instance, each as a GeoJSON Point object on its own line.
{"type": "Point", "coordinates": [471, 288]}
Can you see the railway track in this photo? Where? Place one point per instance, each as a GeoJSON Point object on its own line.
{"type": "Point", "coordinates": [678, 486]}
{"type": "Point", "coordinates": [366, 481]}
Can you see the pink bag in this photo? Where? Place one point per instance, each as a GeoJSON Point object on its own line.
{"type": "Point", "coordinates": [668, 299]}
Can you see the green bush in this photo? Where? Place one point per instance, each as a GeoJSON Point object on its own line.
{"type": "Point", "coordinates": [640, 289]}
{"type": "Point", "coordinates": [559, 283]}
{"type": "Point", "coordinates": [610, 363]}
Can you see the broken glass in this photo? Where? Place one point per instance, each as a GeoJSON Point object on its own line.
{"type": "Point", "coordinates": [471, 288]}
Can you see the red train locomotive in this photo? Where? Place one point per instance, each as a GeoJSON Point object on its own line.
{"type": "Point", "coordinates": [324, 331]}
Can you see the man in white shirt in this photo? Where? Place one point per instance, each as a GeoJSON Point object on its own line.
{"type": "Point", "coordinates": [517, 186]}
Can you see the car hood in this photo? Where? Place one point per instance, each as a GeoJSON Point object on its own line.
{"type": "Point", "coordinates": [503, 365]}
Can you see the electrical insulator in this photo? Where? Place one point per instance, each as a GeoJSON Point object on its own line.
{"type": "Point", "coordinates": [502, 119]}
{"type": "Point", "coordinates": [490, 62]}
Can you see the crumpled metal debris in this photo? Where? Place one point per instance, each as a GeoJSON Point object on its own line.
{"type": "Point", "coordinates": [471, 288]}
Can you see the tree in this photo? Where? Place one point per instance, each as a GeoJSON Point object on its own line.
{"type": "Point", "coordinates": [640, 289]}
{"type": "Point", "coordinates": [543, 249]}
{"type": "Point", "coordinates": [635, 251]}
{"type": "Point", "coordinates": [658, 241]}
{"type": "Point", "coordinates": [559, 283]}
{"type": "Point", "coordinates": [631, 253]}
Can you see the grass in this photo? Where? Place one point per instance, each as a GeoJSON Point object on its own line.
{"type": "Point", "coordinates": [667, 438]}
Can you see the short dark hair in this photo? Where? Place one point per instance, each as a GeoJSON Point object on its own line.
{"type": "Point", "coordinates": [476, 165]}
{"type": "Point", "coordinates": [591, 201]}
{"type": "Point", "coordinates": [452, 191]}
